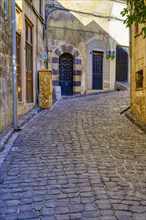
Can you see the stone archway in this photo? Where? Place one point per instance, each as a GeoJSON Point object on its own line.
{"type": "Point", "coordinates": [66, 74]}
{"type": "Point", "coordinates": [66, 48]}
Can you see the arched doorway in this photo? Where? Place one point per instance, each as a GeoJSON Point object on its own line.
{"type": "Point", "coordinates": [66, 74]}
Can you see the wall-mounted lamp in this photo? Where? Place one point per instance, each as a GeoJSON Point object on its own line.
{"type": "Point", "coordinates": [110, 54]}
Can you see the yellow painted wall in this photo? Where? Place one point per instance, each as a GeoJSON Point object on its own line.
{"type": "Point", "coordinates": [138, 62]}
{"type": "Point", "coordinates": [45, 88]}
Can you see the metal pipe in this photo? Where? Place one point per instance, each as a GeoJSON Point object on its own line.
{"type": "Point", "coordinates": [46, 24]}
{"type": "Point", "coordinates": [36, 61]}
{"type": "Point", "coordinates": [79, 12]}
{"type": "Point", "coordinates": [14, 83]}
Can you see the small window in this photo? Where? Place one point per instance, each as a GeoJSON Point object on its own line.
{"type": "Point", "coordinates": [18, 21]}
{"type": "Point", "coordinates": [28, 33]}
{"type": "Point", "coordinates": [139, 79]}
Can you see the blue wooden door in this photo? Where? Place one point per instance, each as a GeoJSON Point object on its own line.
{"type": "Point", "coordinates": [66, 74]}
{"type": "Point", "coordinates": [97, 68]}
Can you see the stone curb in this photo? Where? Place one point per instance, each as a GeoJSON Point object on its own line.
{"type": "Point", "coordinates": [136, 121]}
{"type": "Point", "coordinates": [88, 94]}
{"type": "Point", "coordinates": [7, 133]}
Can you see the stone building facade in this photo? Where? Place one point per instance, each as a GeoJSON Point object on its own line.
{"type": "Point", "coordinates": [138, 73]}
{"type": "Point", "coordinates": [29, 57]}
{"type": "Point", "coordinates": [82, 41]}
{"type": "Point", "coordinates": [30, 51]}
{"type": "Point", "coordinates": [5, 66]}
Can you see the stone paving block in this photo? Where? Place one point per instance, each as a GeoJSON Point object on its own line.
{"type": "Point", "coordinates": [122, 215]}
{"type": "Point", "coordinates": [121, 207]}
{"type": "Point", "coordinates": [10, 216]}
{"type": "Point", "coordinates": [137, 216]}
{"type": "Point", "coordinates": [85, 200]}
{"type": "Point", "coordinates": [106, 212]}
{"type": "Point", "coordinates": [12, 203]}
{"type": "Point", "coordinates": [28, 215]}
{"type": "Point", "coordinates": [138, 209]}
{"type": "Point", "coordinates": [76, 208]}
{"type": "Point", "coordinates": [38, 198]}
{"type": "Point", "coordinates": [25, 208]}
{"type": "Point", "coordinates": [38, 205]}
{"type": "Point", "coordinates": [104, 206]}
{"type": "Point", "coordinates": [47, 212]}
{"type": "Point", "coordinates": [76, 216]}
{"type": "Point", "coordinates": [62, 210]}
{"type": "Point", "coordinates": [62, 217]}
{"type": "Point", "coordinates": [46, 218]}
{"type": "Point", "coordinates": [108, 218]}
{"type": "Point", "coordinates": [90, 214]}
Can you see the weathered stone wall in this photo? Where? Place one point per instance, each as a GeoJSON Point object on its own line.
{"type": "Point", "coordinates": [138, 62]}
{"type": "Point", "coordinates": [65, 30]}
{"type": "Point", "coordinates": [84, 33]}
{"type": "Point", "coordinates": [26, 11]}
{"type": "Point", "coordinates": [6, 116]}
{"type": "Point", "coordinates": [38, 51]}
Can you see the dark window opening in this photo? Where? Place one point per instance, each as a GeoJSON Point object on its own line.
{"type": "Point", "coordinates": [136, 28]}
{"type": "Point", "coordinates": [139, 79]}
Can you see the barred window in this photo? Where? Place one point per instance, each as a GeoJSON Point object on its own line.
{"type": "Point", "coordinates": [139, 79]}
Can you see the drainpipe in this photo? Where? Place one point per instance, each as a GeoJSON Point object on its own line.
{"type": "Point", "coordinates": [36, 77]}
{"type": "Point", "coordinates": [14, 83]}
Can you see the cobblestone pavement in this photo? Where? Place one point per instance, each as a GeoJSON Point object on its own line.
{"type": "Point", "coordinates": [80, 160]}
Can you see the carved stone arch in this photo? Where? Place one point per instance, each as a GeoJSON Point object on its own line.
{"type": "Point", "coordinates": [77, 62]}
{"type": "Point", "coordinates": [66, 48]}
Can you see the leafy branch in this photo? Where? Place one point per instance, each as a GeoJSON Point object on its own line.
{"type": "Point", "coordinates": [135, 12]}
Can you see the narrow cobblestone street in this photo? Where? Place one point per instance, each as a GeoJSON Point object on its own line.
{"type": "Point", "coordinates": [80, 160]}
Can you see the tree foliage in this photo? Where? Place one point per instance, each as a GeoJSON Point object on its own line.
{"type": "Point", "coordinates": [135, 12]}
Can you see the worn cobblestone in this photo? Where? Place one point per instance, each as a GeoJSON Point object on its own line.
{"type": "Point", "coordinates": [80, 160]}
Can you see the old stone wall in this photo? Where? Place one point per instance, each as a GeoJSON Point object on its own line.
{"type": "Point", "coordinates": [31, 13]}
{"type": "Point", "coordinates": [27, 13]}
{"type": "Point", "coordinates": [138, 63]}
{"type": "Point", "coordinates": [65, 30]}
{"type": "Point", "coordinates": [6, 116]}
{"type": "Point", "coordinates": [85, 33]}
